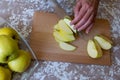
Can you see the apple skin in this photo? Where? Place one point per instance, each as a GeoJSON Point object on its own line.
{"type": "Point", "coordinates": [8, 48]}
{"type": "Point", "coordinates": [21, 63]}
{"type": "Point", "coordinates": [10, 32]}
{"type": "Point", "coordinates": [5, 73]}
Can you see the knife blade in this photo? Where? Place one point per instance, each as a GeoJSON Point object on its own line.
{"type": "Point", "coordinates": [61, 12]}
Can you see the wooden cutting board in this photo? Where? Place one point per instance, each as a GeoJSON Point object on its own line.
{"type": "Point", "coordinates": [46, 48]}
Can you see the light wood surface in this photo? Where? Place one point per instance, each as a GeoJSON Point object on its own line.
{"type": "Point", "coordinates": [46, 48]}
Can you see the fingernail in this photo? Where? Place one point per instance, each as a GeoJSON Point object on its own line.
{"type": "Point", "coordinates": [87, 32]}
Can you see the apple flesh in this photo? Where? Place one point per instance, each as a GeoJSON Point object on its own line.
{"type": "Point", "coordinates": [21, 63]}
{"type": "Point", "coordinates": [104, 42]}
{"type": "Point", "coordinates": [67, 46]}
{"type": "Point", "coordinates": [57, 27]}
{"type": "Point", "coordinates": [8, 48]}
{"type": "Point", "coordinates": [64, 27]}
{"type": "Point", "coordinates": [67, 21]}
{"type": "Point", "coordinates": [5, 73]}
{"type": "Point", "coordinates": [10, 32]}
{"type": "Point", "coordinates": [93, 49]}
{"type": "Point", "coordinates": [63, 37]}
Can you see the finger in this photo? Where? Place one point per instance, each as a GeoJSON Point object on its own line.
{"type": "Point", "coordinates": [80, 14]}
{"type": "Point", "coordinates": [84, 19]}
{"type": "Point", "coordinates": [77, 8]}
{"type": "Point", "coordinates": [89, 28]}
{"type": "Point", "coordinates": [90, 20]}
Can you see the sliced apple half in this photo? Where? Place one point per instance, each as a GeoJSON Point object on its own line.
{"type": "Point", "coordinates": [104, 42]}
{"type": "Point", "coordinates": [104, 37]}
{"type": "Point", "coordinates": [93, 49]}
{"type": "Point", "coordinates": [67, 21]}
{"type": "Point", "coordinates": [64, 27]}
{"type": "Point", "coordinates": [67, 46]}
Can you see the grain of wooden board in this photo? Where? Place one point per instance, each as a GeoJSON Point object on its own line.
{"type": "Point", "coordinates": [46, 48]}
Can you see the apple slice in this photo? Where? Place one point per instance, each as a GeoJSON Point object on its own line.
{"type": "Point", "coordinates": [70, 37]}
{"type": "Point", "coordinates": [57, 40]}
{"type": "Point", "coordinates": [104, 42]}
{"type": "Point", "coordinates": [66, 46]}
{"type": "Point", "coordinates": [63, 37]}
{"type": "Point", "coordinates": [57, 27]}
{"type": "Point", "coordinates": [93, 49]}
{"type": "Point", "coordinates": [67, 21]}
{"type": "Point", "coordinates": [64, 27]}
{"type": "Point", "coordinates": [104, 37]}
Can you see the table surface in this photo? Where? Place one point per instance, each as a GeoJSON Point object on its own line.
{"type": "Point", "coordinates": [19, 13]}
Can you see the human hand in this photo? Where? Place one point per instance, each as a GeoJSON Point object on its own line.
{"type": "Point", "coordinates": [84, 14]}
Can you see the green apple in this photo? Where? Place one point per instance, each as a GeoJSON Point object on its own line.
{"type": "Point", "coordinates": [10, 32]}
{"type": "Point", "coordinates": [64, 27]}
{"type": "Point", "coordinates": [104, 42]}
{"type": "Point", "coordinates": [21, 63]}
{"type": "Point", "coordinates": [8, 48]}
{"type": "Point", "coordinates": [67, 21]}
{"type": "Point", "coordinates": [5, 73]}
{"type": "Point", "coordinates": [94, 50]}
{"type": "Point", "coordinates": [66, 46]}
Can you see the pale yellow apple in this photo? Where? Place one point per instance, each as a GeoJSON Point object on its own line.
{"type": "Point", "coordinates": [21, 63]}
{"type": "Point", "coordinates": [5, 73]}
{"type": "Point", "coordinates": [104, 42]}
{"type": "Point", "coordinates": [66, 46]}
{"type": "Point", "coordinates": [93, 49]}
{"type": "Point", "coordinates": [8, 48]}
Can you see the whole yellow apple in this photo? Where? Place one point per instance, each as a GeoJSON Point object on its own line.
{"type": "Point", "coordinates": [21, 63]}
{"type": "Point", "coordinates": [8, 48]}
